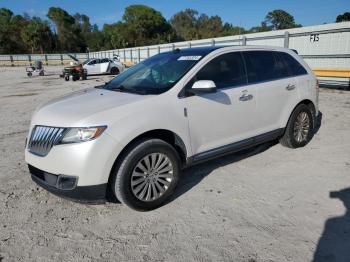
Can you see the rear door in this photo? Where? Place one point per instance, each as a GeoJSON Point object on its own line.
{"type": "Point", "coordinates": [227, 116]}
{"type": "Point", "coordinates": [104, 65]}
{"type": "Point", "coordinates": [276, 88]}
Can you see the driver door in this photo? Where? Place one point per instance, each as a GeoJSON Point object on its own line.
{"type": "Point", "coordinates": [94, 67]}
{"type": "Point", "coordinates": [227, 116]}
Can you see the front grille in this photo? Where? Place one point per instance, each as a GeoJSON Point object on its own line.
{"type": "Point", "coordinates": [43, 138]}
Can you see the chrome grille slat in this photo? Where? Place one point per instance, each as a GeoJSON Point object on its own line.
{"type": "Point", "coordinates": [43, 138]}
{"type": "Point", "coordinates": [47, 138]}
{"type": "Point", "coordinates": [52, 139]}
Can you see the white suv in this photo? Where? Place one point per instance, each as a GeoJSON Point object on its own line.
{"type": "Point", "coordinates": [131, 137]}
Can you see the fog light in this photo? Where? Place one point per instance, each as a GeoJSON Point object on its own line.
{"type": "Point", "coordinates": [67, 182]}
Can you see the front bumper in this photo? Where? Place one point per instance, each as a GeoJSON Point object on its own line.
{"type": "Point", "coordinates": [91, 162]}
{"type": "Point", "coordinates": [86, 194]}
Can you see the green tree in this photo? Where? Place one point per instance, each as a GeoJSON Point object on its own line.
{"type": "Point", "coordinates": [10, 32]}
{"type": "Point", "coordinates": [68, 29]}
{"type": "Point", "coordinates": [184, 24]}
{"type": "Point", "coordinates": [344, 17]}
{"type": "Point", "coordinates": [262, 28]}
{"type": "Point", "coordinates": [144, 25]}
{"type": "Point", "coordinates": [115, 36]}
{"type": "Point", "coordinates": [37, 35]}
{"type": "Point", "coordinates": [189, 25]}
{"type": "Point", "coordinates": [280, 19]}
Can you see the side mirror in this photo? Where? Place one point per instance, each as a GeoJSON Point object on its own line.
{"type": "Point", "coordinates": [203, 87]}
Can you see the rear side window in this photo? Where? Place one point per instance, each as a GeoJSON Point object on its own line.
{"type": "Point", "coordinates": [264, 66]}
{"type": "Point", "coordinates": [226, 70]}
{"type": "Point", "coordinates": [294, 66]}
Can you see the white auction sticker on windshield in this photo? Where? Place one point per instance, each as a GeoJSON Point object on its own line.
{"type": "Point", "coordinates": [189, 58]}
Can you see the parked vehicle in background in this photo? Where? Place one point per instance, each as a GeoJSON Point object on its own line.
{"type": "Point", "coordinates": [37, 68]}
{"type": "Point", "coordinates": [132, 136]}
{"type": "Point", "coordinates": [75, 72]}
{"type": "Point", "coordinates": [103, 66]}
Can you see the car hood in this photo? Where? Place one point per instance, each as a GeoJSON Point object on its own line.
{"type": "Point", "coordinates": [72, 109]}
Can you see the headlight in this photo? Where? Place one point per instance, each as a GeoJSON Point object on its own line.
{"type": "Point", "coordinates": [82, 134]}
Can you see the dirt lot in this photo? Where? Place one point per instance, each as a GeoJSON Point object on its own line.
{"type": "Point", "coordinates": [266, 204]}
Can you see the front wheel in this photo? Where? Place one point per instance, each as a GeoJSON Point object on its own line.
{"type": "Point", "coordinates": [147, 175]}
{"type": "Point", "coordinates": [114, 71]}
{"type": "Point", "coordinates": [299, 128]}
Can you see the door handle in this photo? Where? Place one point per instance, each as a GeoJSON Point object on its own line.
{"type": "Point", "coordinates": [290, 87]}
{"type": "Point", "coordinates": [245, 97]}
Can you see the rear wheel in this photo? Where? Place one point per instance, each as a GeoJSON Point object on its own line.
{"type": "Point", "coordinates": [147, 175]}
{"type": "Point", "coordinates": [299, 128]}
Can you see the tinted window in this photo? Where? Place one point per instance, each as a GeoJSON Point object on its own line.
{"type": "Point", "coordinates": [105, 60]}
{"type": "Point", "coordinates": [264, 66]}
{"type": "Point", "coordinates": [226, 71]}
{"type": "Point", "coordinates": [294, 66]}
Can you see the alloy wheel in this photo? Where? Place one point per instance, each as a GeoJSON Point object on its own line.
{"type": "Point", "coordinates": [301, 127]}
{"type": "Point", "coordinates": [151, 177]}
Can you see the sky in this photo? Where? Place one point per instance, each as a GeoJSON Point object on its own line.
{"type": "Point", "coordinates": [244, 13]}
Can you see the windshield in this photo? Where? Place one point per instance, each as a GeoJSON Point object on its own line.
{"type": "Point", "coordinates": [155, 75]}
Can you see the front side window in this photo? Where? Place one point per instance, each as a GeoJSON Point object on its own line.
{"type": "Point", "coordinates": [155, 75]}
{"type": "Point", "coordinates": [92, 62]}
{"type": "Point", "coordinates": [226, 70]}
{"type": "Point", "coordinates": [264, 66]}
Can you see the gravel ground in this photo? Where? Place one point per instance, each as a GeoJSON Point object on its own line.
{"type": "Point", "coordinates": [269, 203]}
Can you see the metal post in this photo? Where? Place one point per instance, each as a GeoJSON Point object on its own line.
{"type": "Point", "coordinates": [172, 47]}
{"type": "Point", "coordinates": [47, 63]}
{"type": "Point", "coordinates": [124, 54]}
{"type": "Point", "coordinates": [147, 52]}
{"type": "Point", "coordinates": [11, 59]}
{"type": "Point", "coordinates": [61, 59]}
{"type": "Point", "coordinates": [139, 54]}
{"type": "Point", "coordinates": [158, 49]}
{"type": "Point", "coordinates": [213, 42]}
{"type": "Point", "coordinates": [189, 44]}
{"type": "Point", "coordinates": [30, 59]}
{"type": "Point", "coordinates": [244, 40]}
{"type": "Point", "coordinates": [286, 39]}
{"type": "Point", "coordinates": [131, 58]}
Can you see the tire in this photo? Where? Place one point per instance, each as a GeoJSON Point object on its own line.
{"type": "Point", "coordinates": [29, 74]}
{"type": "Point", "coordinates": [114, 71]}
{"type": "Point", "coordinates": [66, 78]}
{"type": "Point", "coordinates": [41, 73]}
{"type": "Point", "coordinates": [83, 77]}
{"type": "Point", "coordinates": [128, 172]}
{"type": "Point", "coordinates": [294, 136]}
